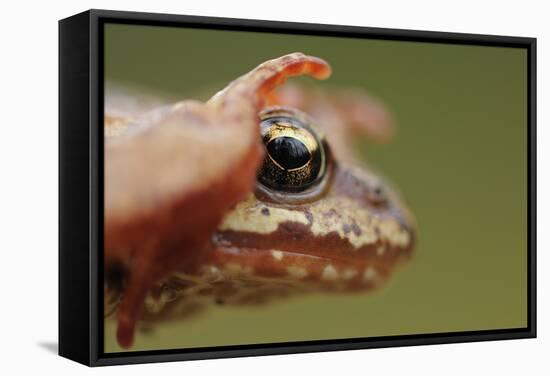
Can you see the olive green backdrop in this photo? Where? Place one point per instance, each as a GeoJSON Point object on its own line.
{"type": "Point", "coordinates": [459, 158]}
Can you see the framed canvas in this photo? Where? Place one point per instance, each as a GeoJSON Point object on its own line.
{"type": "Point", "coordinates": [235, 187]}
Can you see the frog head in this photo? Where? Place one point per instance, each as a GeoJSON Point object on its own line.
{"type": "Point", "coordinates": [312, 218]}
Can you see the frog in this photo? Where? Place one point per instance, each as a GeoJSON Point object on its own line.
{"type": "Point", "coordinates": [277, 207]}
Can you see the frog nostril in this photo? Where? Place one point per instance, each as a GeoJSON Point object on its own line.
{"type": "Point", "coordinates": [377, 195]}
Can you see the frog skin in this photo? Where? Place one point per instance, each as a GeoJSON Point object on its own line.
{"type": "Point", "coordinates": [316, 220]}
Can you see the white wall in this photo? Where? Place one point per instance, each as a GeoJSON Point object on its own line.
{"type": "Point", "coordinates": [28, 112]}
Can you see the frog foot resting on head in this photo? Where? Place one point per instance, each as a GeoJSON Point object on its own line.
{"type": "Point", "coordinates": [252, 195]}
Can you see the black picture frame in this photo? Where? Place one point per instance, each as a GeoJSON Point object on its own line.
{"type": "Point", "coordinates": [81, 185]}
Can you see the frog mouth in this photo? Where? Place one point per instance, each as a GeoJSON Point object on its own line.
{"type": "Point", "coordinates": [280, 266]}
{"type": "Point", "coordinates": [333, 228]}
{"type": "Point", "coordinates": [328, 261]}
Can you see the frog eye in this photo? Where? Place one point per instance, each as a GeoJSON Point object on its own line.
{"type": "Point", "coordinates": [295, 156]}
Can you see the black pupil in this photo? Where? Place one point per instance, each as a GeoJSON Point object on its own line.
{"type": "Point", "coordinates": [288, 152]}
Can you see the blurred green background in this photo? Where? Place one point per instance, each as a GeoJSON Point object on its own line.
{"type": "Point", "coordinates": [459, 159]}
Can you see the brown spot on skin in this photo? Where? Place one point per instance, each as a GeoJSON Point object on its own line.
{"type": "Point", "coordinates": [356, 229]}
{"type": "Point", "coordinates": [330, 213]}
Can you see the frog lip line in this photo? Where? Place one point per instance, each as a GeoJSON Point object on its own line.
{"type": "Point", "coordinates": [296, 238]}
{"type": "Point", "coordinates": [253, 263]}
{"type": "Point", "coordinates": [339, 258]}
